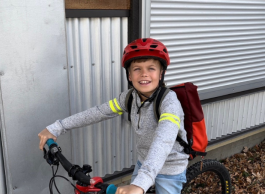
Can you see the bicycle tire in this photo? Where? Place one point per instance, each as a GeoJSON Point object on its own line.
{"type": "Point", "coordinates": [211, 169]}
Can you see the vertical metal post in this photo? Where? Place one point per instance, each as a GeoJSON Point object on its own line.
{"type": "Point", "coordinates": [2, 168]}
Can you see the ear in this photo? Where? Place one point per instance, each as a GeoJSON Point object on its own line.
{"type": "Point", "coordinates": [129, 76]}
{"type": "Point", "coordinates": [161, 74]}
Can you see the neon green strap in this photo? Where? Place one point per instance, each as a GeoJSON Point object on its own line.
{"type": "Point", "coordinates": [116, 104]}
{"type": "Point", "coordinates": [170, 117]}
{"type": "Point", "coordinates": [119, 111]}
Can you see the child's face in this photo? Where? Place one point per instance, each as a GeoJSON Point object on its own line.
{"type": "Point", "coordinates": [145, 76]}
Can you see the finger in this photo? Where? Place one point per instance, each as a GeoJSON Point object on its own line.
{"type": "Point", "coordinates": [117, 191]}
{"type": "Point", "coordinates": [42, 142]}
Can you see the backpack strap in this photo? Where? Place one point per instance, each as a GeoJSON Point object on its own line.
{"type": "Point", "coordinates": [128, 103]}
{"type": "Point", "coordinates": [158, 101]}
{"type": "Point", "coordinates": [189, 150]}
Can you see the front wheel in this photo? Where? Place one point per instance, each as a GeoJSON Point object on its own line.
{"type": "Point", "coordinates": [209, 177]}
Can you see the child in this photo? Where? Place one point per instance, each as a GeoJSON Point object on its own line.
{"type": "Point", "coordinates": [161, 160]}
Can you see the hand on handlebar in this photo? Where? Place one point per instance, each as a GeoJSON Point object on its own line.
{"type": "Point", "coordinates": [129, 189]}
{"type": "Point", "coordinates": [44, 135]}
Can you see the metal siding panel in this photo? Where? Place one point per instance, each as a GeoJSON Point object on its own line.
{"type": "Point", "coordinates": [259, 109]}
{"type": "Point", "coordinates": [34, 90]}
{"type": "Point", "coordinates": [254, 109]}
{"type": "Point", "coordinates": [215, 118]}
{"type": "Point", "coordinates": [221, 118]}
{"type": "Point", "coordinates": [230, 116]}
{"type": "Point", "coordinates": [235, 114]}
{"type": "Point", "coordinates": [246, 110]}
{"type": "Point", "coordinates": [250, 110]}
{"type": "Point", "coordinates": [208, 121]}
{"type": "Point", "coordinates": [94, 54]}
{"type": "Point", "coordinates": [262, 117]}
{"type": "Point", "coordinates": [240, 113]}
{"type": "Point", "coordinates": [211, 43]}
{"type": "Point", "coordinates": [130, 153]}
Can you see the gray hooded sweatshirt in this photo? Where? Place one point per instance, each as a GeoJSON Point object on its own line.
{"type": "Point", "coordinates": [156, 144]}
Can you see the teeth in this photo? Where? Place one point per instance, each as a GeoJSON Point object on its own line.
{"type": "Point", "coordinates": [144, 82]}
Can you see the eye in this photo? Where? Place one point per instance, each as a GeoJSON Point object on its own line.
{"type": "Point", "coordinates": [136, 69]}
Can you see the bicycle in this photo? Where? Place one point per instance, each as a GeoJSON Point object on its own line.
{"type": "Point", "coordinates": [206, 176]}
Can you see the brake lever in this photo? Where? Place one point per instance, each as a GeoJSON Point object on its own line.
{"type": "Point", "coordinates": [50, 158]}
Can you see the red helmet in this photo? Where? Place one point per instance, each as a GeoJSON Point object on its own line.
{"type": "Point", "coordinates": [145, 48]}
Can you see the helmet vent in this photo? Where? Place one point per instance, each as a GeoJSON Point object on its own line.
{"type": "Point", "coordinates": [153, 46]}
{"type": "Point", "coordinates": [165, 50]}
{"type": "Point", "coordinates": [134, 47]}
{"type": "Point", "coordinates": [144, 39]}
{"type": "Point", "coordinates": [151, 49]}
{"type": "Point", "coordinates": [137, 50]}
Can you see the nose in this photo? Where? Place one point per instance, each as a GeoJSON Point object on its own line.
{"type": "Point", "coordinates": [144, 73]}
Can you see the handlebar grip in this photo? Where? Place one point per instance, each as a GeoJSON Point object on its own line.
{"type": "Point", "coordinates": [111, 189]}
{"type": "Point", "coordinates": [50, 142]}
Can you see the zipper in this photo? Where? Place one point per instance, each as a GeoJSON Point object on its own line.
{"type": "Point", "coordinates": [139, 119]}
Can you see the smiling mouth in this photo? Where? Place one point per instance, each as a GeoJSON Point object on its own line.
{"type": "Point", "coordinates": [145, 82]}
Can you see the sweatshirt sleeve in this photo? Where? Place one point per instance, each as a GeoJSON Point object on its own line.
{"type": "Point", "coordinates": [171, 120]}
{"type": "Point", "coordinates": [108, 110]}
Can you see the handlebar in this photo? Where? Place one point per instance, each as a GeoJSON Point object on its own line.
{"type": "Point", "coordinates": [75, 171]}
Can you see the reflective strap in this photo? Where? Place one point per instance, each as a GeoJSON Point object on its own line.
{"type": "Point", "coordinates": [170, 115]}
{"type": "Point", "coordinates": [170, 119]}
{"type": "Point", "coordinates": [113, 108]}
{"type": "Point", "coordinates": [116, 104]}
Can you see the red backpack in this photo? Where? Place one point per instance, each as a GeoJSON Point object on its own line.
{"type": "Point", "coordinates": [194, 123]}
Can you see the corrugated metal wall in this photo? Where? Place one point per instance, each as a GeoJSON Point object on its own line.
{"type": "Point", "coordinates": [94, 47]}
{"type": "Point", "coordinates": [233, 115]}
{"type": "Point", "coordinates": [213, 44]}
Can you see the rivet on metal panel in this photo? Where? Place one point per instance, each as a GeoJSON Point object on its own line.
{"type": "Point", "coordinates": [64, 67]}
{"type": "Point", "coordinates": [14, 188]}
{"type": "Point", "coordinates": [1, 73]}
{"type": "Point", "coordinates": [93, 64]}
{"type": "Point", "coordinates": [112, 61]}
{"type": "Point", "coordinates": [114, 156]}
{"type": "Point", "coordinates": [96, 162]}
{"type": "Point", "coordinates": [72, 66]}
